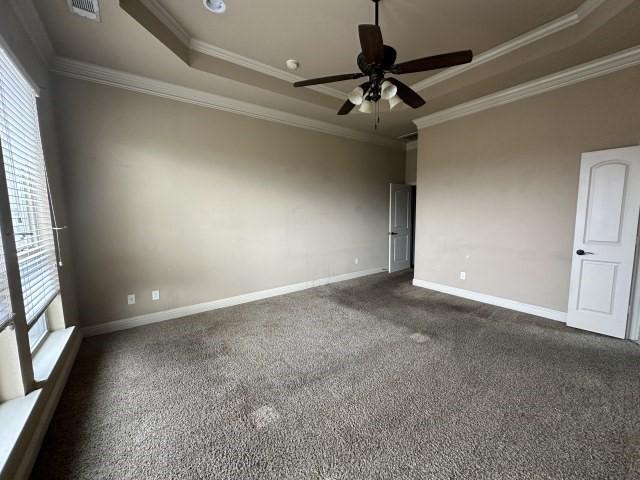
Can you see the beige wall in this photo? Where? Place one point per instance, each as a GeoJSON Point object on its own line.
{"type": "Point", "coordinates": [204, 205]}
{"type": "Point", "coordinates": [411, 167]}
{"type": "Point", "coordinates": [497, 190]}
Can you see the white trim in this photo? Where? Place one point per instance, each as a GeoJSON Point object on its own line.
{"type": "Point", "coordinates": [586, 71]}
{"type": "Point", "coordinates": [222, 303]}
{"type": "Point", "coordinates": [168, 20]}
{"type": "Point", "coordinates": [496, 301]}
{"type": "Point", "coordinates": [18, 64]}
{"type": "Point", "coordinates": [14, 418]}
{"type": "Point", "coordinates": [136, 83]}
{"type": "Point", "coordinates": [412, 145]}
{"type": "Point", "coordinates": [555, 26]}
{"type": "Point", "coordinates": [32, 23]}
{"type": "Point", "coordinates": [42, 413]}
{"type": "Point", "coordinates": [217, 52]}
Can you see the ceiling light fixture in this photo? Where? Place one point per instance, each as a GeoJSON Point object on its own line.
{"type": "Point", "coordinates": [377, 62]}
{"type": "Point", "coordinates": [215, 6]}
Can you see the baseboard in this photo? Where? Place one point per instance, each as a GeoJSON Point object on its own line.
{"type": "Point", "coordinates": [496, 301]}
{"type": "Point", "coordinates": [222, 303]}
{"type": "Point", "coordinates": [60, 375]}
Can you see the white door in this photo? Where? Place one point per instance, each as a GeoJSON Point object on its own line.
{"type": "Point", "coordinates": [399, 228]}
{"type": "Point", "coordinates": [605, 241]}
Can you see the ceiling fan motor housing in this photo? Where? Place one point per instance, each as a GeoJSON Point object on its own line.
{"type": "Point", "coordinates": [376, 72]}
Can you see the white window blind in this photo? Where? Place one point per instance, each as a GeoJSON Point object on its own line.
{"type": "Point", "coordinates": [28, 190]}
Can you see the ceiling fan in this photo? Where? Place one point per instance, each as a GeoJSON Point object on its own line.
{"type": "Point", "coordinates": [375, 61]}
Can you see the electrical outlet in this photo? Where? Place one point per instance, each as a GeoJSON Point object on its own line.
{"type": "Point", "coordinates": [357, 260]}
{"type": "Point", "coordinates": [463, 275]}
{"type": "Point", "coordinates": [155, 295]}
{"type": "Point", "coordinates": [131, 299]}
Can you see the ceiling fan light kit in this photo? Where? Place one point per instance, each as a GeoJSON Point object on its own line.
{"type": "Point", "coordinates": [377, 60]}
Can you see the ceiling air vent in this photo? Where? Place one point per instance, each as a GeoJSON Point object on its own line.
{"type": "Point", "coordinates": [85, 8]}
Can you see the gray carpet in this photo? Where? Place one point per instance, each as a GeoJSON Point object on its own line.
{"type": "Point", "coordinates": [367, 379]}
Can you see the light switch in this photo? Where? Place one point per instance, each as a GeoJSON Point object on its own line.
{"type": "Point", "coordinates": [155, 295]}
{"type": "Point", "coordinates": [463, 275]}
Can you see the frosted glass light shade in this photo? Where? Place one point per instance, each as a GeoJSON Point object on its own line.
{"type": "Point", "coordinates": [367, 106]}
{"type": "Point", "coordinates": [356, 96]}
{"type": "Point", "coordinates": [394, 102]}
{"type": "Point", "coordinates": [388, 90]}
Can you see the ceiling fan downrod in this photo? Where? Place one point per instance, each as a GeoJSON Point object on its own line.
{"type": "Point", "coordinates": [377, 2]}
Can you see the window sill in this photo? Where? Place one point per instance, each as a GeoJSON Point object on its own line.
{"type": "Point", "coordinates": [25, 420]}
{"type": "Point", "coordinates": [48, 354]}
{"type": "Point", "coordinates": [14, 416]}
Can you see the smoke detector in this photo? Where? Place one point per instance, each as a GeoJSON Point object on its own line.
{"type": "Point", "coordinates": [292, 64]}
{"type": "Point", "coordinates": [85, 8]}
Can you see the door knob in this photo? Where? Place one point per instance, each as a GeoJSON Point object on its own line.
{"type": "Point", "coordinates": [582, 252]}
{"type": "Point", "coordinates": [393, 233]}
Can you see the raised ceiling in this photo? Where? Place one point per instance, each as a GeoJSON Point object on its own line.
{"type": "Point", "coordinates": [323, 37]}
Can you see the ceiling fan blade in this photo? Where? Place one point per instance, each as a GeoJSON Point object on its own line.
{"type": "Point", "coordinates": [433, 63]}
{"type": "Point", "coordinates": [348, 106]}
{"type": "Point", "coordinates": [335, 78]}
{"type": "Point", "coordinates": [372, 43]}
{"type": "Point", "coordinates": [407, 95]}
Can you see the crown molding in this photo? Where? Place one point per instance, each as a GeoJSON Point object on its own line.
{"type": "Point", "coordinates": [221, 53]}
{"type": "Point", "coordinates": [115, 78]}
{"type": "Point", "coordinates": [586, 71]}
{"type": "Point", "coordinates": [30, 19]}
{"type": "Point", "coordinates": [535, 35]}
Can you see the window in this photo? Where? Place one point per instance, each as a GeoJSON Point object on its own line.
{"type": "Point", "coordinates": [28, 194]}
{"type": "Point", "coordinates": [38, 332]}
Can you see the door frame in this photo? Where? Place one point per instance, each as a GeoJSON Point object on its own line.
{"type": "Point", "coordinates": [633, 323]}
